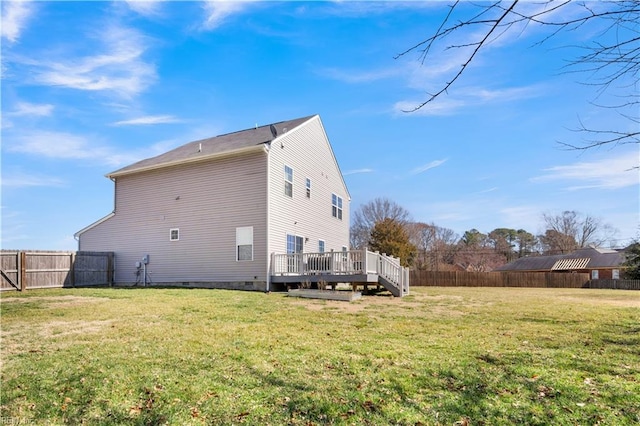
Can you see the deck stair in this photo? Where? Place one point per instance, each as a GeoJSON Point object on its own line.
{"type": "Point", "coordinates": [354, 266]}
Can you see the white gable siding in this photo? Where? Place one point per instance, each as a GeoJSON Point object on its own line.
{"type": "Point", "coordinates": [307, 150]}
{"type": "Point", "coordinates": [206, 201]}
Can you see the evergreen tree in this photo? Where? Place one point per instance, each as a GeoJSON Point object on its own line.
{"type": "Point", "coordinates": [633, 262]}
{"type": "Point", "coordinates": [389, 236]}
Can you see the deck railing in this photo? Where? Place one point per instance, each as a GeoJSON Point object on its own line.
{"type": "Point", "coordinates": [353, 262]}
{"type": "Point", "coordinates": [333, 263]}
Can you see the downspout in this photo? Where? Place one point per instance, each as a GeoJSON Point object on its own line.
{"type": "Point", "coordinates": [267, 147]}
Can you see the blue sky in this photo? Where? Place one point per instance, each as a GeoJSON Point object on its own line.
{"type": "Point", "coordinates": [89, 87]}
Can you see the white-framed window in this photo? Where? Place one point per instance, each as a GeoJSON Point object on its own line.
{"type": "Point", "coordinates": [288, 181]}
{"type": "Point", "coordinates": [174, 234]}
{"type": "Point", "coordinates": [336, 206]}
{"type": "Point", "coordinates": [244, 243]}
{"type": "Point", "coordinates": [308, 186]}
{"type": "Point", "coordinates": [320, 246]}
{"type": "Point", "coordinates": [294, 244]}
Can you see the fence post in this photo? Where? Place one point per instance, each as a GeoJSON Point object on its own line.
{"type": "Point", "coordinates": [72, 269]}
{"type": "Point", "coordinates": [110, 268]}
{"type": "Point", "coordinates": [22, 273]}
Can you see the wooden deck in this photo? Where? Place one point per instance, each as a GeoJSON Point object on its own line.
{"type": "Point", "coordinates": [355, 267]}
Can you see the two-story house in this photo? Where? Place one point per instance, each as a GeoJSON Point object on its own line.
{"type": "Point", "coordinates": [210, 213]}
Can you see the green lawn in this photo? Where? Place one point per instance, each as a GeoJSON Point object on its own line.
{"type": "Point", "coordinates": [439, 356]}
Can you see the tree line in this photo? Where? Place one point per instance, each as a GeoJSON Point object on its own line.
{"type": "Point", "coordinates": [384, 226]}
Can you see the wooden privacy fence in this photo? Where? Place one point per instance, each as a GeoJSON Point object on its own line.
{"type": "Point", "coordinates": [615, 284]}
{"type": "Point", "coordinates": [498, 279]}
{"type": "Point", "coordinates": [25, 270]}
{"type": "Point", "coordinates": [515, 279]}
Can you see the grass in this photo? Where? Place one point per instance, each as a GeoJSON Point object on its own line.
{"type": "Point", "coordinates": [439, 356]}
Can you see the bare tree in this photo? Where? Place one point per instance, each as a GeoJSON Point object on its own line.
{"type": "Point", "coordinates": [570, 230]}
{"type": "Point", "coordinates": [611, 62]}
{"type": "Point", "coordinates": [375, 211]}
{"type": "Point", "coordinates": [435, 245]}
{"type": "Point", "coordinates": [555, 242]}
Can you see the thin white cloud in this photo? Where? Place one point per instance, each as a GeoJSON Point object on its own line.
{"type": "Point", "coordinates": [436, 71]}
{"type": "Point", "coordinates": [357, 76]}
{"type": "Point", "coordinates": [89, 149]}
{"type": "Point", "coordinates": [29, 109]}
{"type": "Point", "coordinates": [607, 173]}
{"type": "Point", "coordinates": [430, 165]}
{"type": "Point", "coordinates": [466, 97]}
{"type": "Point", "coordinates": [18, 179]}
{"type": "Point", "coordinates": [67, 146]}
{"type": "Point", "coordinates": [148, 8]}
{"type": "Point", "coordinates": [439, 107]}
{"type": "Point", "coordinates": [149, 119]}
{"type": "Point", "coordinates": [508, 94]}
{"type": "Point", "coordinates": [485, 191]}
{"type": "Point", "coordinates": [357, 171]}
{"type": "Point", "coordinates": [14, 17]}
{"type": "Point", "coordinates": [349, 8]}
{"type": "Point", "coordinates": [58, 145]}
{"type": "Point", "coordinates": [517, 217]}
{"type": "Point", "coordinates": [119, 68]}
{"type": "Point", "coordinates": [217, 11]}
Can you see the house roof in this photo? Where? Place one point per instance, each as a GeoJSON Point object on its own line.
{"type": "Point", "coordinates": [239, 141]}
{"type": "Point", "coordinates": [584, 258]}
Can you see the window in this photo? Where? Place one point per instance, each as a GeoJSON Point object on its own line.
{"type": "Point", "coordinates": [321, 246]}
{"type": "Point", "coordinates": [288, 181]}
{"type": "Point", "coordinates": [294, 244]}
{"type": "Point", "coordinates": [336, 206]}
{"type": "Point", "coordinates": [174, 234]}
{"type": "Point", "coordinates": [244, 243]}
{"type": "Point", "coordinates": [308, 188]}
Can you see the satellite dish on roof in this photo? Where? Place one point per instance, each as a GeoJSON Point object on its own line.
{"type": "Point", "coordinates": [274, 131]}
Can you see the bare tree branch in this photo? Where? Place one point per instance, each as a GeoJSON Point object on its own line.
{"type": "Point", "coordinates": [608, 62]}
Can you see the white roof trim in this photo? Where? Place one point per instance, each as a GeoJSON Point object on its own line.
{"type": "Point", "coordinates": [333, 155]}
{"type": "Point", "coordinates": [96, 223]}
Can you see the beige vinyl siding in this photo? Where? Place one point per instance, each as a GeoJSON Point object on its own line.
{"type": "Point", "coordinates": [206, 201]}
{"type": "Point", "coordinates": [307, 150]}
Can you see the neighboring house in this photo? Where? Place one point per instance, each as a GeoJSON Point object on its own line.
{"type": "Point", "coordinates": [598, 263]}
{"type": "Point", "coordinates": [210, 213]}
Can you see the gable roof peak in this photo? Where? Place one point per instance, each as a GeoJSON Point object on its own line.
{"type": "Point", "coordinates": [224, 144]}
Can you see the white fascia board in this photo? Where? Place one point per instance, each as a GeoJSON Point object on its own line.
{"type": "Point", "coordinates": [333, 155]}
{"type": "Point", "coordinates": [96, 223]}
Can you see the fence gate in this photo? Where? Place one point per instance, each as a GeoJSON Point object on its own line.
{"type": "Point", "coordinates": [24, 270]}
